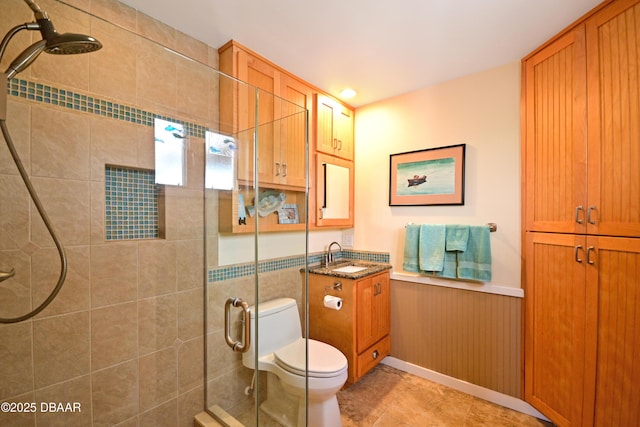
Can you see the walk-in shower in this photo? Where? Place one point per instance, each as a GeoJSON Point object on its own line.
{"type": "Point", "coordinates": [54, 43]}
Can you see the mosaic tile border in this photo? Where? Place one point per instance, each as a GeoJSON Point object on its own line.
{"type": "Point", "coordinates": [243, 270]}
{"type": "Point", "coordinates": [50, 95]}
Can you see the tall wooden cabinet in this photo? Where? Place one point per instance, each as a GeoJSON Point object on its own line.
{"type": "Point", "coordinates": [581, 207]}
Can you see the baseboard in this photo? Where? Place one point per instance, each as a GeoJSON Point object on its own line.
{"type": "Point", "coordinates": [465, 387]}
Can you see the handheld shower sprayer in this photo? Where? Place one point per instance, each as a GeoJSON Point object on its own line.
{"type": "Point", "coordinates": [55, 43]}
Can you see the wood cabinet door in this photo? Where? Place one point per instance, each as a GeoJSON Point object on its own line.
{"type": "Point", "coordinates": [554, 91]}
{"type": "Point", "coordinates": [555, 325]}
{"type": "Point", "coordinates": [613, 332]}
{"type": "Point", "coordinates": [264, 81]}
{"type": "Point", "coordinates": [325, 124]}
{"type": "Point", "coordinates": [344, 134]}
{"type": "Point", "coordinates": [293, 146]}
{"type": "Point", "coordinates": [613, 58]}
{"type": "Point", "coordinates": [373, 310]}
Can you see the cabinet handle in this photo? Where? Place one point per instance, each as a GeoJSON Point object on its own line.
{"type": "Point", "coordinates": [590, 250]}
{"type": "Point", "coordinates": [375, 354]}
{"type": "Point", "coordinates": [335, 142]}
{"type": "Point", "coordinates": [377, 289]}
{"type": "Point", "coordinates": [339, 144]}
{"type": "Point", "coordinates": [277, 169]}
{"type": "Point", "coordinates": [284, 169]}
{"type": "Point", "coordinates": [577, 258]}
{"type": "Point", "coordinates": [589, 219]}
{"type": "Point", "coordinates": [578, 210]}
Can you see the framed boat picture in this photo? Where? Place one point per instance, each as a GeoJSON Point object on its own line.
{"type": "Point", "coordinates": [434, 176]}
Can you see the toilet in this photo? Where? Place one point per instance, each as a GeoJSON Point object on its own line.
{"type": "Point", "coordinates": [281, 353]}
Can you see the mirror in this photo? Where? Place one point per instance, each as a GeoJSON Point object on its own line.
{"type": "Point", "coordinates": [334, 191]}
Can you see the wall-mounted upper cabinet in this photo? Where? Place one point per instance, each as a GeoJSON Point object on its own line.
{"type": "Point", "coordinates": [334, 127]}
{"type": "Point", "coordinates": [279, 125]}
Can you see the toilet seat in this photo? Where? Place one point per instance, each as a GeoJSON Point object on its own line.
{"type": "Point", "coordinates": [325, 361]}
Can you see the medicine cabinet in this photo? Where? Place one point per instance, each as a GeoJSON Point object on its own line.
{"type": "Point", "coordinates": [334, 192]}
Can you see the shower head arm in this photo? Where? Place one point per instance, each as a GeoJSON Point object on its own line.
{"type": "Point", "coordinates": [34, 7]}
{"type": "Point", "coordinates": [46, 26]}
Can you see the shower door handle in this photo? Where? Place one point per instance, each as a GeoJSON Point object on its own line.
{"type": "Point", "coordinates": [4, 275]}
{"type": "Point", "coordinates": [239, 346]}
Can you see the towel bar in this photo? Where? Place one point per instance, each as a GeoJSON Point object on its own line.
{"type": "Point", "coordinates": [492, 226]}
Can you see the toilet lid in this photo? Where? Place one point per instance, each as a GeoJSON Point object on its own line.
{"type": "Point", "coordinates": [324, 360]}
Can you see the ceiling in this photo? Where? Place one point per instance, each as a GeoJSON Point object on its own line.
{"type": "Point", "coordinates": [380, 48]}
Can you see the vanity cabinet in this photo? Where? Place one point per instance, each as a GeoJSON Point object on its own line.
{"type": "Point", "coordinates": [334, 127]}
{"type": "Point", "coordinates": [581, 187]}
{"type": "Point", "coordinates": [361, 328]}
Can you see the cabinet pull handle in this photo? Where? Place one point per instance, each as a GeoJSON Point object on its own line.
{"type": "Point", "coordinates": [577, 258]}
{"type": "Point", "coordinates": [578, 210]}
{"type": "Point", "coordinates": [277, 169]}
{"type": "Point", "coordinates": [589, 219]}
{"type": "Point", "coordinates": [590, 250]}
{"type": "Point", "coordinates": [335, 142]}
{"type": "Point", "coordinates": [377, 289]}
{"type": "Point", "coordinates": [339, 144]}
{"type": "Point", "coordinates": [375, 354]}
{"type": "Point", "coordinates": [284, 169]}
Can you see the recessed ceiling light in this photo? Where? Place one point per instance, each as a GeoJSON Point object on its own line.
{"type": "Point", "coordinates": [347, 93]}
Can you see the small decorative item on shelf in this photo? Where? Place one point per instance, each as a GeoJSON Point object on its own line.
{"type": "Point", "coordinates": [288, 214]}
{"type": "Point", "coordinates": [269, 201]}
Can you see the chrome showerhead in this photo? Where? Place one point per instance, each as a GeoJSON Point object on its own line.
{"type": "Point", "coordinates": [25, 58]}
{"type": "Point", "coordinates": [52, 41]}
{"type": "Point", "coordinates": [62, 44]}
{"type": "Point", "coordinates": [71, 44]}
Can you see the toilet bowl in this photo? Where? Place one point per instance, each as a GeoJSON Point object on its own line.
{"type": "Point", "coordinates": [282, 354]}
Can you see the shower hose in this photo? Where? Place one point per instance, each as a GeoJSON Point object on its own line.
{"type": "Point", "coordinates": [47, 223]}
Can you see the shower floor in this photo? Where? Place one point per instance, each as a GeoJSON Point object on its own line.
{"type": "Point", "coordinates": [390, 397]}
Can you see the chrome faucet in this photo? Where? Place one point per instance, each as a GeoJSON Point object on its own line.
{"type": "Point", "coordinates": [330, 254]}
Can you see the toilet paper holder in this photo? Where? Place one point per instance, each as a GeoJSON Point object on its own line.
{"type": "Point", "coordinates": [337, 286]}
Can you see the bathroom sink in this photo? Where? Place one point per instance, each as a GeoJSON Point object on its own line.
{"type": "Point", "coordinates": [349, 269]}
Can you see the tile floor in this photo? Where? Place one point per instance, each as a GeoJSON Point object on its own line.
{"type": "Point", "coordinates": [387, 397]}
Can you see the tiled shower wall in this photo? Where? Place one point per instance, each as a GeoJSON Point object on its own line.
{"type": "Point", "coordinates": [124, 337]}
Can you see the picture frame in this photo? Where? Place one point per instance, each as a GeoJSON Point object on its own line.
{"type": "Point", "coordinates": [288, 214]}
{"type": "Point", "coordinates": [434, 176]}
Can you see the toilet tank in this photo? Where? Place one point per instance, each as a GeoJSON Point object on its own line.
{"type": "Point", "coordinates": [278, 325]}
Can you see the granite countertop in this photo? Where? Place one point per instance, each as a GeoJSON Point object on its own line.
{"type": "Point", "coordinates": [371, 268]}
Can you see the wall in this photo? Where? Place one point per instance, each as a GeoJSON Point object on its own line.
{"type": "Point", "coordinates": [481, 110]}
{"type": "Point", "coordinates": [124, 338]}
{"type": "Point", "coordinates": [468, 335]}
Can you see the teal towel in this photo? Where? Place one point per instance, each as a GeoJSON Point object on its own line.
{"type": "Point", "coordinates": [431, 247]}
{"type": "Point", "coordinates": [450, 267]}
{"type": "Point", "coordinates": [411, 240]}
{"type": "Point", "coordinates": [457, 237]}
{"type": "Point", "coordinates": [475, 262]}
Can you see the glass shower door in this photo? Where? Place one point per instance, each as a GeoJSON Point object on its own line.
{"type": "Point", "coordinates": [249, 260]}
